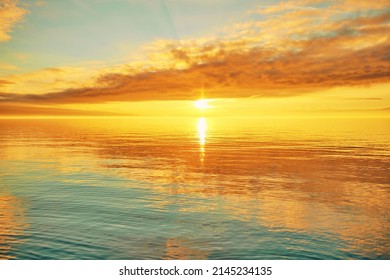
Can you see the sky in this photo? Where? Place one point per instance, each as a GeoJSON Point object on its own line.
{"type": "Point", "coordinates": [156, 57]}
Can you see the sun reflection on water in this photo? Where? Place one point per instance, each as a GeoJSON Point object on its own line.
{"type": "Point", "coordinates": [202, 130]}
{"type": "Point", "coordinates": [318, 190]}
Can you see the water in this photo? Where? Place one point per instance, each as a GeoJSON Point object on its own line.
{"type": "Point", "coordinates": [184, 188]}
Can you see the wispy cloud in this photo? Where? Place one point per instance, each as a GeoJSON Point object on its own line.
{"type": "Point", "coordinates": [10, 14]}
{"type": "Point", "coordinates": [289, 5]}
{"type": "Point", "coordinates": [16, 109]}
{"type": "Point", "coordinates": [365, 98]}
{"type": "Point", "coordinates": [4, 82]}
{"type": "Point", "coordinates": [6, 66]}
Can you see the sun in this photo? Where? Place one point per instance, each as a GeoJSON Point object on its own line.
{"type": "Point", "coordinates": [201, 104]}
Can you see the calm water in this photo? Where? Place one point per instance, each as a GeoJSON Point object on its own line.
{"type": "Point", "coordinates": [165, 188]}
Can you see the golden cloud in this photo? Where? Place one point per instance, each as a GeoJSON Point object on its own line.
{"type": "Point", "coordinates": [10, 14]}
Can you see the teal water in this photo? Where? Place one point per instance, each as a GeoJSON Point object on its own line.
{"type": "Point", "coordinates": [148, 188]}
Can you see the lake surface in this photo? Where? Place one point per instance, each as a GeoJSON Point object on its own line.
{"type": "Point", "coordinates": [194, 188]}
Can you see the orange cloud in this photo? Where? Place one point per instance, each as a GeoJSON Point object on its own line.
{"type": "Point", "coordinates": [4, 82]}
{"type": "Point", "coordinates": [10, 14]}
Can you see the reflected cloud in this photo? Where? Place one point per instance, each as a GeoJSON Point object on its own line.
{"type": "Point", "coordinates": [299, 176]}
{"type": "Point", "coordinates": [12, 223]}
{"type": "Point", "coordinates": [177, 249]}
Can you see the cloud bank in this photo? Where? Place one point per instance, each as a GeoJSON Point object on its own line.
{"type": "Point", "coordinates": [292, 48]}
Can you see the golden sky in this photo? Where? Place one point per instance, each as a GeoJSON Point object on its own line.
{"type": "Point", "coordinates": [252, 58]}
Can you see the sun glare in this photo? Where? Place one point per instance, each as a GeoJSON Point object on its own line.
{"type": "Point", "coordinates": [201, 104]}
